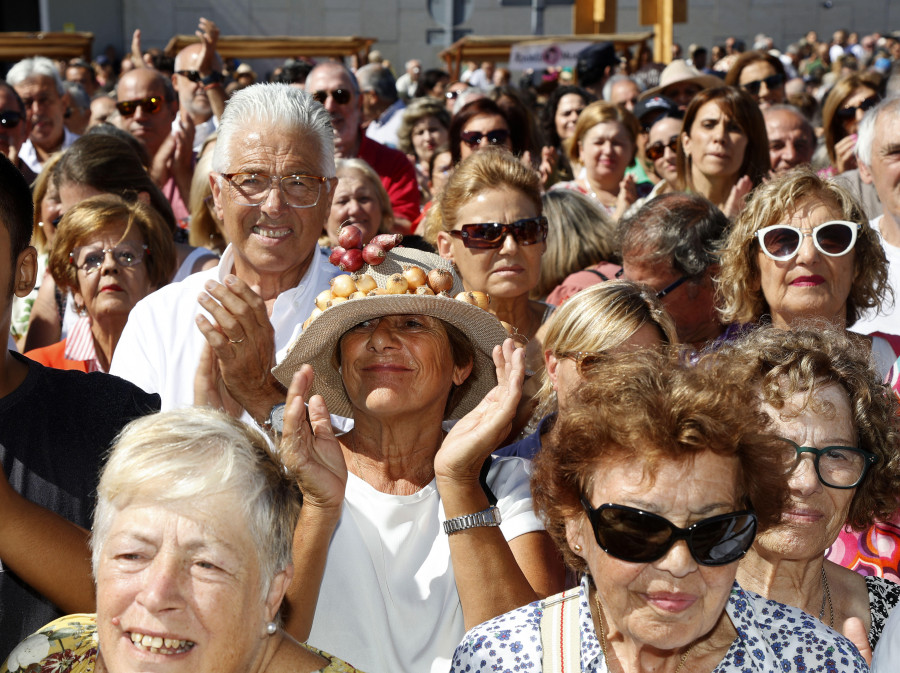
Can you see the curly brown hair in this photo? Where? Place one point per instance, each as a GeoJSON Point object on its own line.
{"type": "Point", "coordinates": [806, 360]}
{"type": "Point", "coordinates": [655, 406]}
{"type": "Point", "coordinates": [741, 298]}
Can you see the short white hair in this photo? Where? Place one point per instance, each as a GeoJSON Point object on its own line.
{"type": "Point", "coordinates": [866, 130]}
{"type": "Point", "coordinates": [183, 456]}
{"type": "Point", "coordinates": [36, 66]}
{"type": "Point", "coordinates": [275, 106]}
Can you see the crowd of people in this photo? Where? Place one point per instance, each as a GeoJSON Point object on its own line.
{"type": "Point", "coordinates": [625, 396]}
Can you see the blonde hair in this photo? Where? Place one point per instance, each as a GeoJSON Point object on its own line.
{"type": "Point", "coordinates": [840, 92]}
{"type": "Point", "coordinates": [206, 229]}
{"type": "Point", "coordinates": [181, 457]}
{"type": "Point", "coordinates": [741, 298]}
{"type": "Point", "coordinates": [597, 319]}
{"type": "Point", "coordinates": [42, 184]}
{"type": "Point", "coordinates": [487, 169]}
{"type": "Point", "coordinates": [596, 113]}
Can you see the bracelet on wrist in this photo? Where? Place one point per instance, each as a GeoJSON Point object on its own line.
{"type": "Point", "coordinates": [486, 517]}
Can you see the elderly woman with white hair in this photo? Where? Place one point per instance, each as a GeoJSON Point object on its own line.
{"type": "Point", "coordinates": [191, 548]}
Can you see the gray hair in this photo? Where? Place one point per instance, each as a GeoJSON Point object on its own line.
{"type": "Point", "coordinates": [377, 78]}
{"type": "Point", "coordinates": [275, 106]}
{"type": "Point", "coordinates": [36, 66]}
{"type": "Point", "coordinates": [354, 83]}
{"type": "Point", "coordinates": [612, 81]}
{"type": "Point", "coordinates": [794, 110]}
{"type": "Point", "coordinates": [77, 95]}
{"type": "Point", "coordinates": [181, 457]}
{"type": "Point", "coordinates": [866, 130]}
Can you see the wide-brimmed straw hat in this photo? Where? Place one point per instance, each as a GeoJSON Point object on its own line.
{"type": "Point", "coordinates": [679, 71]}
{"type": "Point", "coordinates": [317, 344]}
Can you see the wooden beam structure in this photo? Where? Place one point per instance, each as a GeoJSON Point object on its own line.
{"type": "Point", "coordinates": [498, 47]}
{"type": "Point", "coordinates": [255, 46]}
{"type": "Point", "coordinates": [16, 46]}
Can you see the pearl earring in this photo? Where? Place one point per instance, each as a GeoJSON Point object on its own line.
{"type": "Point", "coordinates": [577, 547]}
{"type": "Point", "coordinates": [271, 628]}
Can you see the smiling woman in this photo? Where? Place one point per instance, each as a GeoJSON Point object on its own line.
{"type": "Point", "coordinates": [359, 199]}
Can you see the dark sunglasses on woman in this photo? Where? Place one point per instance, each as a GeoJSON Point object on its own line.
{"type": "Point", "coordinates": [9, 119]}
{"type": "Point", "coordinates": [772, 82]}
{"type": "Point", "coordinates": [474, 138]}
{"type": "Point", "coordinates": [850, 111]}
{"type": "Point", "coordinates": [658, 149]}
{"type": "Point", "coordinates": [491, 234]}
{"type": "Point", "coordinates": [636, 536]}
{"type": "Point", "coordinates": [782, 242]}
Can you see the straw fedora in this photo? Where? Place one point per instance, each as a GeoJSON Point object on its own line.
{"type": "Point", "coordinates": [679, 71]}
{"type": "Point", "coordinates": [317, 344]}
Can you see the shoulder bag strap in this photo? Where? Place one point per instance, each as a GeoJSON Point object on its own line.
{"type": "Point", "coordinates": [561, 634]}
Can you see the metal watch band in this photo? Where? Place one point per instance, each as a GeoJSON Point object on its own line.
{"type": "Point", "coordinates": [487, 517]}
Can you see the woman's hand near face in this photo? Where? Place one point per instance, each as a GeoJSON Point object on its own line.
{"type": "Point", "coordinates": [737, 198]}
{"type": "Point", "coordinates": [481, 430]}
{"type": "Point", "coordinates": [844, 156]}
{"type": "Point", "coordinates": [627, 195]}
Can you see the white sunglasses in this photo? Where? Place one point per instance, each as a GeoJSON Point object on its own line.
{"type": "Point", "coordinates": [782, 242]}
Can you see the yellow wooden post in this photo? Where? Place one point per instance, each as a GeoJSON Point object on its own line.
{"type": "Point", "coordinates": [594, 16]}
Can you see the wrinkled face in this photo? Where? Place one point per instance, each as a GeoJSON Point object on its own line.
{"type": "Point", "coordinates": [45, 109]}
{"type": "Point", "coordinates": [345, 117]}
{"type": "Point", "coordinates": [810, 285]}
{"type": "Point", "coordinates": [272, 239]}
{"type": "Point", "coordinates": [885, 168]}
{"type": "Point", "coordinates": [570, 106]}
{"type": "Point", "coordinates": [355, 202]}
{"type": "Point", "coordinates": [192, 99]}
{"type": "Point", "coordinates": [816, 513]}
{"type": "Point", "coordinates": [606, 150]}
{"type": "Point", "coordinates": [715, 143]}
{"type": "Point", "coordinates": [510, 271]}
{"type": "Point", "coordinates": [625, 93]}
{"type": "Point", "coordinates": [148, 127]}
{"type": "Point", "coordinates": [790, 144]}
{"type": "Point", "coordinates": [427, 135]}
{"type": "Point", "coordinates": [113, 289]}
{"type": "Point", "coordinates": [851, 104]}
{"type": "Point", "coordinates": [756, 72]}
{"type": "Point", "coordinates": [384, 359]}
{"type": "Point", "coordinates": [673, 601]}
{"type": "Point", "coordinates": [664, 136]}
{"type": "Point", "coordinates": [11, 138]}
{"type": "Point", "coordinates": [185, 582]}
{"type": "Point", "coordinates": [483, 124]}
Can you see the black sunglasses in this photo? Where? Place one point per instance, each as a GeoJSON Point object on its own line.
{"type": "Point", "coordinates": [850, 112]}
{"type": "Point", "coordinates": [150, 105]}
{"type": "Point", "coordinates": [658, 149]}
{"type": "Point", "coordinates": [474, 138]}
{"type": "Point", "coordinates": [192, 75]}
{"type": "Point", "coordinates": [9, 119]}
{"type": "Point", "coordinates": [772, 82]}
{"type": "Point", "coordinates": [451, 95]}
{"type": "Point", "coordinates": [662, 293]}
{"type": "Point", "coordinates": [491, 234]}
{"type": "Point", "coordinates": [636, 536]}
{"type": "Point", "coordinates": [340, 96]}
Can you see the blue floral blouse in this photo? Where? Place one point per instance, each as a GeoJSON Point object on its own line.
{"type": "Point", "coordinates": [771, 637]}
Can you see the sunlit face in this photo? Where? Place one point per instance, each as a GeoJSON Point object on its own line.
{"type": "Point", "coordinates": [885, 168]}
{"type": "Point", "coordinates": [663, 134]}
{"type": "Point", "coordinates": [715, 143]}
{"type": "Point", "coordinates": [810, 285]}
{"type": "Point", "coordinates": [682, 93]}
{"type": "Point", "coordinates": [851, 123]}
{"type": "Point", "coordinates": [757, 71]}
{"type": "Point", "coordinates": [483, 124]}
{"type": "Point", "coordinates": [345, 117]}
{"type": "Point", "coordinates": [816, 513]}
{"type": "Point", "coordinates": [625, 94]}
{"type": "Point", "coordinates": [150, 128]}
{"type": "Point", "coordinates": [111, 290]}
{"type": "Point", "coordinates": [512, 270]}
{"type": "Point", "coordinates": [398, 365]}
{"type": "Point", "coordinates": [606, 150]}
{"type": "Point", "coordinates": [790, 143]}
{"type": "Point", "coordinates": [51, 208]}
{"type": "Point", "coordinates": [45, 108]}
{"type": "Point", "coordinates": [185, 581]}
{"type": "Point", "coordinates": [192, 96]}
{"type": "Point", "coordinates": [567, 111]}
{"type": "Point", "coordinates": [673, 601]}
{"type": "Point", "coordinates": [427, 135]}
{"type": "Point", "coordinates": [355, 202]}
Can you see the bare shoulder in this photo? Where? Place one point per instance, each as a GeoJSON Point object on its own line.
{"type": "Point", "coordinates": [294, 657]}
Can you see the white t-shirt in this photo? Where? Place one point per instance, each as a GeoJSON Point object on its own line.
{"type": "Point", "coordinates": [888, 319]}
{"type": "Point", "coordinates": [161, 344]}
{"type": "Point", "coordinates": [887, 651]}
{"type": "Point", "coordinates": [388, 602]}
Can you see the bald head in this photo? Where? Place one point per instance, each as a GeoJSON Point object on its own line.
{"type": "Point", "coordinates": [152, 110]}
{"type": "Point", "coordinates": [792, 140]}
{"type": "Point", "coordinates": [192, 98]}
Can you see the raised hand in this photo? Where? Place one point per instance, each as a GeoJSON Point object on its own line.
{"type": "Point", "coordinates": [209, 389]}
{"type": "Point", "coordinates": [479, 432]}
{"type": "Point", "coordinates": [208, 32]}
{"type": "Point", "coordinates": [737, 198]}
{"type": "Point", "coordinates": [309, 448]}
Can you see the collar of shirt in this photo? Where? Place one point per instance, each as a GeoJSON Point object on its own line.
{"type": "Point", "coordinates": [80, 345]}
{"type": "Point", "coordinates": [385, 116]}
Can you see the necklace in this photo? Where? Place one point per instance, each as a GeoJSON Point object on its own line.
{"type": "Point", "coordinates": [603, 637]}
{"type": "Point", "coordinates": [826, 598]}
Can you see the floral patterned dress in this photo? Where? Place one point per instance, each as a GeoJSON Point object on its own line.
{"type": "Point", "coordinates": [69, 645]}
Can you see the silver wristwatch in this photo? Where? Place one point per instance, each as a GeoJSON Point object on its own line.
{"type": "Point", "coordinates": [487, 517]}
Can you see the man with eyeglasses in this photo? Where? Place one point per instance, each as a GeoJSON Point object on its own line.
{"type": "Point", "coordinates": [38, 83]}
{"type": "Point", "coordinates": [338, 90]}
{"type": "Point", "coordinates": [878, 155]}
{"type": "Point", "coordinates": [198, 81]}
{"type": "Point", "coordinates": [13, 129]}
{"type": "Point", "coordinates": [272, 182]}
{"type": "Point", "coordinates": [671, 244]}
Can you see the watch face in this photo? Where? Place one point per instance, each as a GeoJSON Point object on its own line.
{"type": "Point", "coordinates": [276, 418]}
